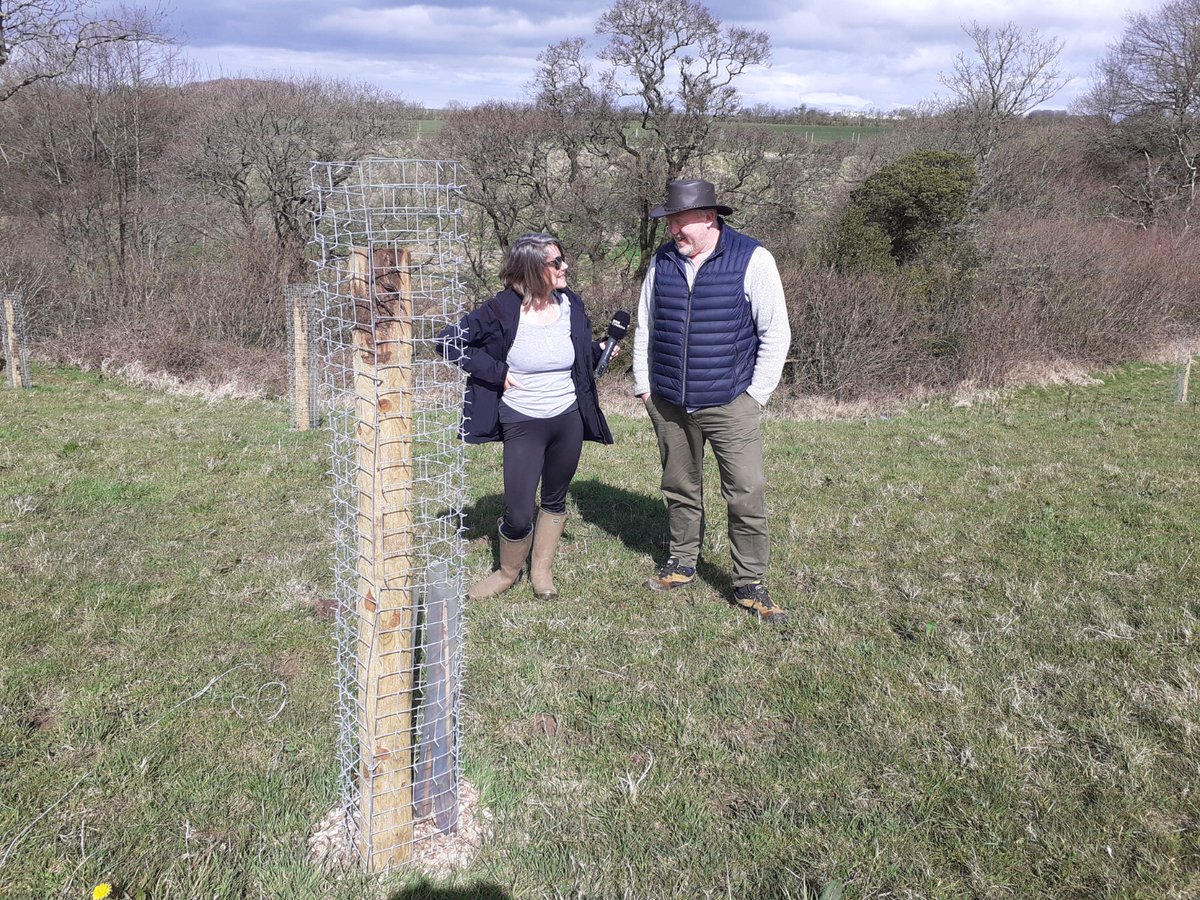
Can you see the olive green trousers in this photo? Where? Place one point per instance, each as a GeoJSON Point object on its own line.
{"type": "Point", "coordinates": [733, 433]}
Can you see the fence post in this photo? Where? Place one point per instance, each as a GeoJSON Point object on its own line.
{"type": "Point", "coordinates": [12, 332]}
{"type": "Point", "coordinates": [300, 300]}
{"type": "Point", "coordinates": [383, 358]}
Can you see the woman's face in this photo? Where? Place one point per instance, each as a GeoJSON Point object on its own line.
{"type": "Point", "coordinates": [556, 268]}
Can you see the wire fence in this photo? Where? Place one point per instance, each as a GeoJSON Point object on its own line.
{"type": "Point", "coordinates": [390, 256]}
{"type": "Point", "coordinates": [15, 340]}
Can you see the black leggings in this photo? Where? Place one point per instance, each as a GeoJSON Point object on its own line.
{"type": "Point", "coordinates": [537, 449]}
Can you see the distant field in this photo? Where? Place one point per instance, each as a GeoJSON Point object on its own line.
{"type": "Point", "coordinates": [819, 134]}
{"type": "Point", "coordinates": [429, 127]}
{"type": "Point", "coordinates": [990, 686]}
{"type": "Point", "coordinates": [829, 134]}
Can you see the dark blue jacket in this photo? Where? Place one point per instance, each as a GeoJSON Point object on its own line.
{"type": "Point", "coordinates": [704, 344]}
{"type": "Point", "coordinates": [480, 342]}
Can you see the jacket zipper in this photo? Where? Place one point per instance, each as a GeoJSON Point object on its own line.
{"type": "Point", "coordinates": [687, 332]}
{"type": "Point", "coordinates": [687, 323]}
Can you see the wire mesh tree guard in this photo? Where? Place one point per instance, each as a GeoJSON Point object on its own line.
{"type": "Point", "coordinates": [301, 307]}
{"type": "Point", "coordinates": [15, 340]}
{"type": "Point", "coordinates": [389, 262]}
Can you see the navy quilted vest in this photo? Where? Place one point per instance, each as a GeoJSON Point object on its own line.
{"type": "Point", "coordinates": [704, 344]}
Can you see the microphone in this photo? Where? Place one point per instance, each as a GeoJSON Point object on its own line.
{"type": "Point", "coordinates": [616, 331]}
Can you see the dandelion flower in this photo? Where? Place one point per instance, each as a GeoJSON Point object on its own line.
{"type": "Point", "coordinates": [100, 891]}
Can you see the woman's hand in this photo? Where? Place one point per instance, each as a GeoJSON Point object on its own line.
{"type": "Point", "coordinates": [616, 348]}
{"type": "Point", "coordinates": [510, 382]}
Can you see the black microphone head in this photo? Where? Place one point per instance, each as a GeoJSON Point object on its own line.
{"type": "Point", "coordinates": [619, 325]}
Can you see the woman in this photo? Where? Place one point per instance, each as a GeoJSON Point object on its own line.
{"type": "Point", "coordinates": [529, 355]}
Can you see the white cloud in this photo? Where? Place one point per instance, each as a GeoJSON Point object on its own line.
{"type": "Point", "coordinates": [467, 27]}
{"type": "Point", "coordinates": [852, 54]}
{"type": "Point", "coordinates": [433, 83]}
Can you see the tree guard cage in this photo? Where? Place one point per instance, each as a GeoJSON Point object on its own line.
{"type": "Point", "coordinates": [300, 301]}
{"type": "Point", "coordinates": [388, 281]}
{"type": "Point", "coordinates": [15, 346]}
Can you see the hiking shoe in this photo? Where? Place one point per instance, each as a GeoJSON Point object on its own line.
{"type": "Point", "coordinates": [755, 597]}
{"type": "Point", "coordinates": [672, 575]}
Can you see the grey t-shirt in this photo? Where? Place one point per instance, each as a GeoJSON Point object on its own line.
{"type": "Point", "coordinates": [540, 359]}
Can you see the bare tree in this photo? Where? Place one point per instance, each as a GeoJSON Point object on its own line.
{"type": "Point", "coordinates": [1146, 98]}
{"type": "Point", "coordinates": [678, 63]}
{"type": "Point", "coordinates": [504, 148]}
{"type": "Point", "coordinates": [45, 39]}
{"type": "Point", "coordinates": [593, 154]}
{"type": "Point", "coordinates": [251, 142]}
{"type": "Point", "coordinates": [1010, 71]}
{"type": "Point", "coordinates": [81, 159]}
{"type": "Point", "coordinates": [587, 129]}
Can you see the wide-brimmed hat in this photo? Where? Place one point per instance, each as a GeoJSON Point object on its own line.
{"type": "Point", "coordinates": [689, 193]}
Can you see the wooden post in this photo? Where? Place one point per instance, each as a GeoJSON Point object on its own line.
{"type": "Point", "coordinates": [383, 372]}
{"type": "Point", "coordinates": [303, 384]}
{"type": "Point", "coordinates": [1184, 377]}
{"type": "Point", "coordinates": [14, 352]}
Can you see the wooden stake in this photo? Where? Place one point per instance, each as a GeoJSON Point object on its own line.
{"type": "Point", "coordinates": [301, 341]}
{"type": "Point", "coordinates": [12, 347]}
{"type": "Point", "coordinates": [383, 358]}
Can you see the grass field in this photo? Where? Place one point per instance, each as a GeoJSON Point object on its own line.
{"type": "Point", "coordinates": [817, 134]}
{"type": "Point", "coordinates": [829, 134]}
{"type": "Point", "coordinates": [990, 686]}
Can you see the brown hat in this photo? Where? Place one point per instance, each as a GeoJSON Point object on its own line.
{"type": "Point", "coordinates": [690, 193]}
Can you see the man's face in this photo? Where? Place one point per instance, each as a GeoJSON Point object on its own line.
{"type": "Point", "coordinates": [693, 230]}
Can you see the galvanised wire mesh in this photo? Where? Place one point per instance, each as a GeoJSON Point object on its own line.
{"type": "Point", "coordinates": [15, 339]}
{"type": "Point", "coordinates": [390, 257]}
{"type": "Point", "coordinates": [303, 377]}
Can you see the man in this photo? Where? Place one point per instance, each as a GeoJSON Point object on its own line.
{"type": "Point", "coordinates": [712, 337]}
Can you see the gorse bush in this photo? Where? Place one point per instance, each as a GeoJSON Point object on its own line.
{"type": "Point", "coordinates": [913, 204]}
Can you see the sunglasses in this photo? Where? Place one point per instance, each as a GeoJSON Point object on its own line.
{"type": "Point", "coordinates": [558, 262]}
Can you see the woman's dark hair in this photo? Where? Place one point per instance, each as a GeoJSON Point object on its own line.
{"type": "Point", "coordinates": [524, 267]}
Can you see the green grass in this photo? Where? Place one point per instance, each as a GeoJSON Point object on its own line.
{"type": "Point", "coordinates": [990, 686]}
{"type": "Point", "coordinates": [429, 127]}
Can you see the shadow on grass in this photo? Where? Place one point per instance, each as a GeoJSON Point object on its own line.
{"type": "Point", "coordinates": [479, 519]}
{"type": "Point", "coordinates": [638, 521]}
{"type": "Point", "coordinates": [477, 891]}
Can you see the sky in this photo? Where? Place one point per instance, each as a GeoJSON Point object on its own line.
{"type": "Point", "coordinates": [849, 55]}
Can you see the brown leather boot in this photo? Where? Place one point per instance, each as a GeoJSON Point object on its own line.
{"type": "Point", "coordinates": [546, 534]}
{"type": "Point", "coordinates": [512, 560]}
